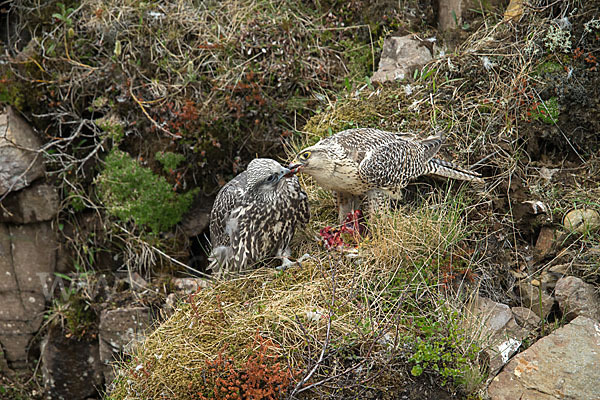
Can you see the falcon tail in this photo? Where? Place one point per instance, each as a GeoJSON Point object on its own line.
{"type": "Point", "coordinates": [446, 169]}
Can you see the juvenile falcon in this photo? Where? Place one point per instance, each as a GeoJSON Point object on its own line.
{"type": "Point", "coordinates": [255, 216]}
{"type": "Point", "coordinates": [370, 165]}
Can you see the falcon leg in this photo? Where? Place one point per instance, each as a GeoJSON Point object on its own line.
{"type": "Point", "coordinates": [346, 203]}
{"type": "Point", "coordinates": [376, 202]}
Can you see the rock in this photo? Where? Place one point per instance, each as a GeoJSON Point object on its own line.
{"type": "Point", "coordinates": [531, 296]}
{"type": "Point", "coordinates": [190, 285]}
{"type": "Point", "coordinates": [71, 368]}
{"type": "Point", "coordinates": [544, 242]}
{"type": "Point", "coordinates": [119, 330]}
{"type": "Point", "coordinates": [136, 282]}
{"type": "Point", "coordinates": [526, 318]}
{"type": "Point", "coordinates": [582, 220]}
{"type": "Point", "coordinates": [27, 261]}
{"type": "Point", "coordinates": [495, 325]}
{"type": "Point", "coordinates": [37, 203]}
{"type": "Point", "coordinates": [562, 365]}
{"type": "Point", "coordinates": [400, 57]}
{"type": "Point", "coordinates": [20, 163]}
{"type": "Point", "coordinates": [575, 298]}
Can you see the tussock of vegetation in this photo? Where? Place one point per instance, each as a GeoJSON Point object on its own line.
{"type": "Point", "coordinates": [130, 191]}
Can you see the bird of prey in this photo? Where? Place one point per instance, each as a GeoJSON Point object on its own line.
{"type": "Point", "coordinates": [367, 166]}
{"type": "Point", "coordinates": [255, 216]}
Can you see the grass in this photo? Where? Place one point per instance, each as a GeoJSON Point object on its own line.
{"type": "Point", "coordinates": [349, 307]}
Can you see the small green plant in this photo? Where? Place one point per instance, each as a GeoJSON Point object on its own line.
{"type": "Point", "coordinates": [132, 192]}
{"type": "Point", "coordinates": [546, 111]}
{"type": "Point", "coordinates": [169, 160]}
{"type": "Point", "coordinates": [441, 347]}
{"type": "Point", "coordinates": [112, 126]}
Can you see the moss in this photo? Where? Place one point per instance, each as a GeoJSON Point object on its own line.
{"type": "Point", "coordinates": [132, 192]}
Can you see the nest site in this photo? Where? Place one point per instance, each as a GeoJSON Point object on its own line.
{"type": "Point", "coordinates": [516, 101]}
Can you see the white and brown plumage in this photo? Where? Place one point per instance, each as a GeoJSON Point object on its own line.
{"type": "Point", "coordinates": [373, 165]}
{"type": "Point", "coordinates": [255, 216]}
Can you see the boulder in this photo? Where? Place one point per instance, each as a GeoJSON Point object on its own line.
{"type": "Point", "coordinates": [27, 261]}
{"type": "Point", "coordinates": [526, 318]}
{"type": "Point", "coordinates": [71, 367]}
{"type": "Point", "coordinates": [575, 298]}
{"type": "Point", "coordinates": [20, 162]}
{"type": "Point", "coordinates": [37, 203]}
{"type": "Point", "coordinates": [495, 325]}
{"type": "Point", "coordinates": [562, 365]}
{"type": "Point", "coordinates": [119, 330]}
{"type": "Point", "coordinates": [535, 298]}
{"type": "Point", "coordinates": [400, 57]}
{"type": "Point", "coordinates": [582, 220]}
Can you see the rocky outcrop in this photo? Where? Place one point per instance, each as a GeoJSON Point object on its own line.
{"type": "Point", "coordinates": [20, 162]}
{"type": "Point", "coordinates": [577, 298]}
{"type": "Point", "coordinates": [27, 240]}
{"type": "Point", "coordinates": [121, 329]}
{"type": "Point", "coordinates": [400, 57]}
{"type": "Point", "coordinates": [71, 367]}
{"type": "Point", "coordinates": [562, 365]}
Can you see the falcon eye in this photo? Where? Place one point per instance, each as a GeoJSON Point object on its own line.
{"type": "Point", "coordinates": [271, 178]}
{"type": "Point", "coordinates": [304, 156]}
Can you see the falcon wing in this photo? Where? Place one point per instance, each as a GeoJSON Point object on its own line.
{"type": "Point", "coordinates": [396, 163]}
{"type": "Point", "coordinates": [227, 200]}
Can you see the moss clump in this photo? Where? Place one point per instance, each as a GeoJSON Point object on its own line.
{"type": "Point", "coordinates": [546, 111]}
{"type": "Point", "coordinates": [130, 191]}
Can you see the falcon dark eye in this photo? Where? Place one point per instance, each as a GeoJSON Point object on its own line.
{"type": "Point", "coordinates": [304, 156]}
{"type": "Point", "coordinates": [271, 178]}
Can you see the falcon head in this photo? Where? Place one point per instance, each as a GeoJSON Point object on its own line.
{"type": "Point", "coordinates": [265, 176]}
{"type": "Point", "coordinates": [313, 160]}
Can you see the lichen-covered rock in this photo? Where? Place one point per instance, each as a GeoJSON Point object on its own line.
{"type": "Point", "coordinates": [577, 298]}
{"type": "Point", "coordinates": [526, 318]}
{"type": "Point", "coordinates": [20, 163]}
{"type": "Point", "coordinates": [562, 365]}
{"type": "Point", "coordinates": [71, 367]}
{"type": "Point", "coordinates": [582, 220]}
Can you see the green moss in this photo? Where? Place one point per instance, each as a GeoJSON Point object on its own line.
{"type": "Point", "coordinates": [548, 67]}
{"type": "Point", "coordinates": [132, 192]}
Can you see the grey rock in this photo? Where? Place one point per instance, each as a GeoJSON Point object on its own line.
{"type": "Point", "coordinates": [20, 162]}
{"type": "Point", "coordinates": [400, 57]}
{"type": "Point", "coordinates": [562, 365]}
{"type": "Point", "coordinates": [575, 298]}
{"type": "Point", "coordinates": [526, 318]}
{"type": "Point", "coordinates": [27, 261]}
{"type": "Point", "coordinates": [119, 330]}
{"type": "Point", "coordinates": [71, 367]}
{"type": "Point", "coordinates": [449, 14]}
{"type": "Point", "coordinates": [493, 323]}
{"type": "Point", "coordinates": [535, 298]}
{"type": "Point", "coordinates": [37, 203]}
